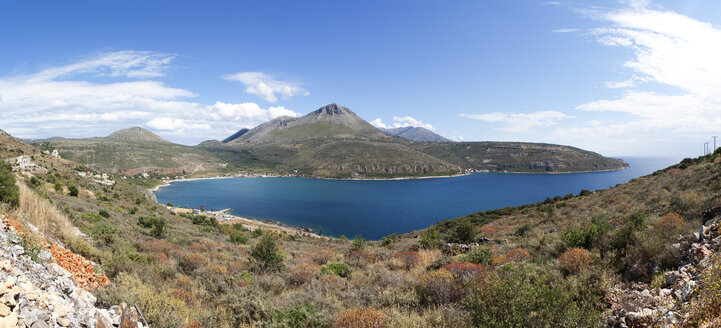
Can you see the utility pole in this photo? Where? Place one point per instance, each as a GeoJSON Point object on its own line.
{"type": "Point", "coordinates": [714, 143]}
{"type": "Point", "coordinates": [705, 148]}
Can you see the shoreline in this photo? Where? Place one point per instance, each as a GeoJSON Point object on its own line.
{"type": "Point", "coordinates": [168, 182]}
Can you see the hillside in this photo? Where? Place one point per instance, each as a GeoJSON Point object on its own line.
{"type": "Point", "coordinates": [334, 142]}
{"type": "Point", "coordinates": [134, 151]}
{"type": "Point", "coordinates": [571, 261]}
{"type": "Point", "coordinates": [415, 134]}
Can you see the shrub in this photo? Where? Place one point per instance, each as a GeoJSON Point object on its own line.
{"type": "Point", "coordinates": [323, 255]}
{"type": "Point", "coordinates": [360, 318]}
{"type": "Point", "coordinates": [303, 273]}
{"type": "Point", "coordinates": [575, 260]}
{"type": "Point", "coordinates": [359, 257]}
{"type": "Point", "coordinates": [389, 240]}
{"type": "Point", "coordinates": [584, 192]}
{"type": "Point", "coordinates": [409, 259]}
{"type": "Point", "coordinates": [299, 316]}
{"type": "Point", "coordinates": [73, 189]}
{"type": "Point", "coordinates": [266, 256]}
{"type": "Point", "coordinates": [9, 192]}
{"type": "Point", "coordinates": [523, 230]}
{"type": "Point", "coordinates": [92, 217]}
{"type": "Point", "coordinates": [464, 270]}
{"type": "Point", "coordinates": [193, 262]}
{"type": "Point", "coordinates": [58, 186]}
{"type": "Point", "coordinates": [358, 243]}
{"type": "Point", "coordinates": [156, 224]}
{"type": "Point", "coordinates": [518, 255]}
{"type": "Point", "coordinates": [238, 237]}
{"type": "Point", "coordinates": [104, 213]}
{"type": "Point", "coordinates": [478, 255]}
{"type": "Point", "coordinates": [527, 296]}
{"type": "Point", "coordinates": [488, 231]}
{"type": "Point", "coordinates": [583, 236]}
{"type": "Point", "coordinates": [436, 288]}
{"type": "Point", "coordinates": [35, 182]}
{"type": "Point", "coordinates": [336, 268]}
{"type": "Point", "coordinates": [430, 238]}
{"type": "Point", "coordinates": [669, 224]}
{"type": "Point", "coordinates": [464, 232]}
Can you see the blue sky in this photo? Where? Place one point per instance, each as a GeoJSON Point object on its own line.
{"type": "Point", "coordinates": [618, 77]}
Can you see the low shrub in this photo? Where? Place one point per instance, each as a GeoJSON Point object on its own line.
{"type": "Point", "coordinates": [430, 238]}
{"type": "Point", "coordinates": [9, 192]}
{"type": "Point", "coordinates": [409, 259]}
{"type": "Point", "coordinates": [518, 255]}
{"type": "Point", "coordinates": [193, 262]}
{"type": "Point", "coordinates": [336, 268]}
{"type": "Point", "coordinates": [360, 318]}
{"type": "Point", "coordinates": [303, 273]}
{"type": "Point", "coordinates": [238, 237]}
{"type": "Point", "coordinates": [670, 224]}
{"type": "Point", "coordinates": [465, 270]}
{"type": "Point", "coordinates": [358, 244]}
{"type": "Point", "coordinates": [575, 260]}
{"type": "Point", "coordinates": [478, 255]}
{"type": "Point", "coordinates": [436, 288]}
{"type": "Point", "coordinates": [266, 255]}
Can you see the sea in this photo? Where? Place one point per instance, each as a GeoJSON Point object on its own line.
{"type": "Point", "coordinates": [376, 208]}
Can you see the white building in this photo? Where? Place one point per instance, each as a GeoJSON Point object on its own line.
{"type": "Point", "coordinates": [55, 153]}
{"type": "Point", "coordinates": [24, 162]}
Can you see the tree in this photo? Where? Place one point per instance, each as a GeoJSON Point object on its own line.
{"type": "Point", "coordinates": [266, 255]}
{"type": "Point", "coordinates": [58, 186]}
{"type": "Point", "coordinates": [464, 232]}
{"type": "Point", "coordinates": [73, 190]}
{"type": "Point", "coordinates": [359, 243]}
{"type": "Point", "coordinates": [431, 238]}
{"type": "Point", "coordinates": [8, 190]}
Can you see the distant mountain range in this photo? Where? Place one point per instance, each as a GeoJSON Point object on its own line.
{"type": "Point", "coordinates": [415, 134]}
{"type": "Point", "coordinates": [329, 142]}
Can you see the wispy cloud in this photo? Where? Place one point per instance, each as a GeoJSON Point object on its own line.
{"type": "Point", "coordinates": [265, 86]}
{"type": "Point", "coordinates": [671, 50]}
{"type": "Point", "coordinates": [520, 122]}
{"type": "Point", "coordinates": [69, 100]}
{"type": "Point", "coordinates": [402, 121]}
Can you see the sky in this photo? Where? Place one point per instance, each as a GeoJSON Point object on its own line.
{"type": "Point", "coordinates": [622, 78]}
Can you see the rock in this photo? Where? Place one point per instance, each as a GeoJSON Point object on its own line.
{"type": "Point", "coordinates": [63, 322]}
{"type": "Point", "coordinates": [101, 321]}
{"type": "Point", "coordinates": [40, 324]}
{"type": "Point", "coordinates": [671, 277]}
{"type": "Point", "coordinates": [10, 321]}
{"type": "Point", "coordinates": [129, 317]}
{"type": "Point", "coordinates": [4, 310]}
{"type": "Point", "coordinates": [5, 265]}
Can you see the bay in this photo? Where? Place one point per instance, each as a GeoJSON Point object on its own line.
{"type": "Point", "coordinates": [375, 208]}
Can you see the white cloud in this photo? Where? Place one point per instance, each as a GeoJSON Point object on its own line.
{"type": "Point", "coordinates": [402, 121]}
{"type": "Point", "coordinates": [67, 100]}
{"type": "Point", "coordinates": [668, 49]}
{"type": "Point", "coordinates": [265, 87]}
{"type": "Point", "coordinates": [520, 122]}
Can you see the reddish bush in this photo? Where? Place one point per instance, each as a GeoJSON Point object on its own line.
{"type": "Point", "coordinates": [303, 273]}
{"type": "Point", "coordinates": [184, 295]}
{"type": "Point", "coordinates": [465, 270]}
{"type": "Point", "coordinates": [497, 260]}
{"type": "Point", "coordinates": [575, 260]}
{"type": "Point", "coordinates": [219, 269]}
{"type": "Point", "coordinates": [518, 255]}
{"type": "Point", "coordinates": [302, 259]}
{"type": "Point", "coordinates": [323, 255]}
{"type": "Point", "coordinates": [670, 223]}
{"type": "Point", "coordinates": [360, 318]}
{"type": "Point", "coordinates": [331, 280]}
{"type": "Point", "coordinates": [193, 262]}
{"type": "Point", "coordinates": [238, 266]}
{"type": "Point", "coordinates": [360, 255]}
{"type": "Point", "coordinates": [196, 248]}
{"type": "Point", "coordinates": [409, 259]}
{"type": "Point", "coordinates": [191, 323]}
{"type": "Point", "coordinates": [488, 231]}
{"type": "Point", "coordinates": [158, 246]}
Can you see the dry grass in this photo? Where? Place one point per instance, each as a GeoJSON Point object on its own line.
{"type": "Point", "coordinates": [39, 212]}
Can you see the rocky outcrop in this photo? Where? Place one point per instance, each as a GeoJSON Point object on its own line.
{"type": "Point", "coordinates": [41, 293]}
{"type": "Point", "coordinates": [639, 305]}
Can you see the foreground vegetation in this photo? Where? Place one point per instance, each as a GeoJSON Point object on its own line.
{"type": "Point", "coordinates": [539, 265]}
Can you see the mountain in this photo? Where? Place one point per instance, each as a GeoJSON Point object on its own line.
{"type": "Point", "coordinates": [332, 141]}
{"type": "Point", "coordinates": [133, 151]}
{"type": "Point", "coordinates": [415, 134]}
{"type": "Point", "coordinates": [136, 134]}
{"type": "Point", "coordinates": [235, 135]}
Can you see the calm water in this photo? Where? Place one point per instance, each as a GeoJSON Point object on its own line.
{"type": "Point", "coordinates": [377, 208]}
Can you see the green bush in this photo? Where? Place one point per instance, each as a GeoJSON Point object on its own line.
{"type": "Point", "coordinates": [430, 238]}
{"type": "Point", "coordinates": [464, 232]}
{"type": "Point", "coordinates": [523, 230]}
{"type": "Point", "coordinates": [478, 255]}
{"type": "Point", "coordinates": [8, 190]}
{"type": "Point", "coordinates": [358, 243]}
{"type": "Point", "coordinates": [157, 225]}
{"type": "Point", "coordinates": [35, 182]}
{"type": "Point", "coordinates": [266, 255]}
{"type": "Point", "coordinates": [73, 189]}
{"type": "Point", "coordinates": [299, 316]}
{"type": "Point", "coordinates": [389, 239]}
{"type": "Point", "coordinates": [528, 296]}
{"type": "Point", "coordinates": [92, 217]}
{"type": "Point", "coordinates": [58, 186]}
{"type": "Point", "coordinates": [104, 213]}
{"type": "Point", "coordinates": [336, 268]}
{"type": "Point", "coordinates": [238, 237]}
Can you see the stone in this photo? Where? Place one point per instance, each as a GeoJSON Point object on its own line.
{"type": "Point", "coordinates": [101, 321]}
{"type": "Point", "coordinates": [40, 324]}
{"type": "Point", "coordinates": [4, 310]}
{"type": "Point", "coordinates": [63, 322]}
{"type": "Point", "coordinates": [129, 317]}
{"type": "Point", "coordinates": [11, 321]}
{"type": "Point", "coordinates": [5, 265]}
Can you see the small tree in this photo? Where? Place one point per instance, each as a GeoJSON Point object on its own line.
{"type": "Point", "coordinates": [266, 255]}
{"type": "Point", "coordinates": [73, 189]}
{"type": "Point", "coordinates": [430, 238]}
{"type": "Point", "coordinates": [8, 190]}
{"type": "Point", "coordinates": [58, 186]}
{"type": "Point", "coordinates": [358, 243]}
{"type": "Point", "coordinates": [464, 232]}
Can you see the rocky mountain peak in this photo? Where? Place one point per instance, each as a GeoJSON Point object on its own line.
{"type": "Point", "coordinates": [136, 133]}
{"type": "Point", "coordinates": [332, 109]}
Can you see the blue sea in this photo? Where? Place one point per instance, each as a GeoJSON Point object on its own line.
{"type": "Point", "coordinates": [374, 208]}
